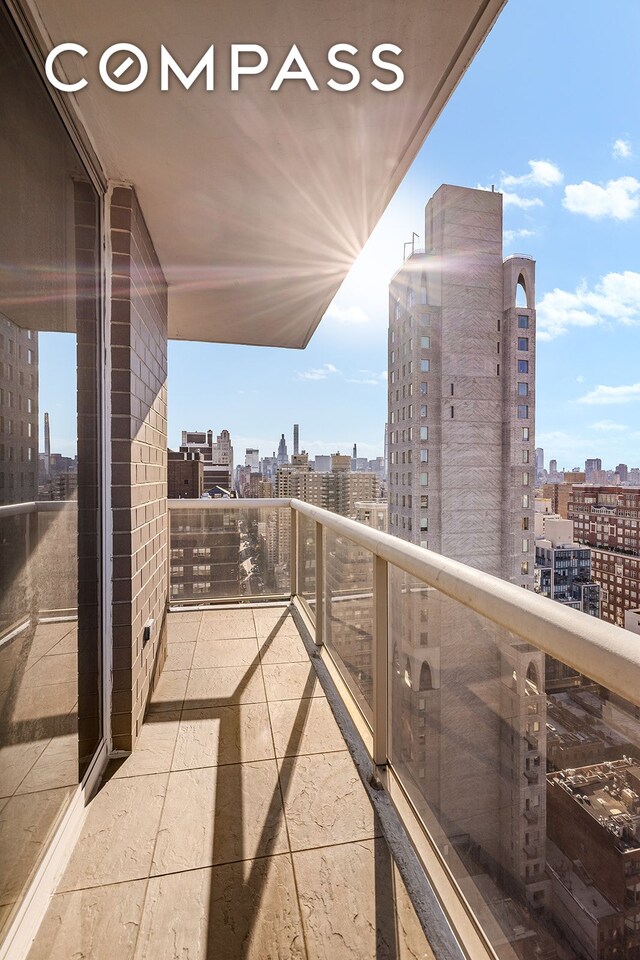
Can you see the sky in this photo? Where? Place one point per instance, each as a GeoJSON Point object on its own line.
{"type": "Point", "coordinates": [549, 112]}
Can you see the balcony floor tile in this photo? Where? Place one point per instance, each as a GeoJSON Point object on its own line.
{"type": "Point", "coordinates": [170, 691]}
{"type": "Point", "coordinates": [304, 726]}
{"type": "Point", "coordinates": [119, 834]}
{"type": "Point", "coordinates": [155, 747]}
{"type": "Point", "coordinates": [227, 653]}
{"type": "Point", "coordinates": [99, 923]}
{"type": "Point", "coordinates": [227, 625]}
{"type": "Point", "coordinates": [291, 681]}
{"type": "Point", "coordinates": [212, 736]}
{"type": "Point", "coordinates": [238, 911]}
{"type": "Point", "coordinates": [210, 686]}
{"type": "Point", "coordinates": [339, 886]}
{"type": "Point", "coordinates": [220, 815]}
{"type": "Point", "coordinates": [180, 655]}
{"type": "Point", "coordinates": [324, 798]}
{"type": "Point", "coordinates": [283, 649]}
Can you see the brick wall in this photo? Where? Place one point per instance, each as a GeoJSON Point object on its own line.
{"type": "Point", "coordinates": [139, 459]}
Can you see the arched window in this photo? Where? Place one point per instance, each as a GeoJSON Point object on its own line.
{"type": "Point", "coordinates": [532, 682]}
{"type": "Point", "coordinates": [521, 292]}
{"type": "Point", "coordinates": [426, 680]}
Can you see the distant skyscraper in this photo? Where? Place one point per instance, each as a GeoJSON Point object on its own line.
{"type": "Point", "coordinates": [296, 438]}
{"type": "Point", "coordinates": [252, 459]}
{"type": "Point", "coordinates": [553, 466]}
{"type": "Point", "coordinates": [539, 460]}
{"type": "Point", "coordinates": [593, 470]}
{"type": "Point", "coordinates": [218, 456]}
{"type": "Point", "coordinates": [47, 446]}
{"type": "Point", "coordinates": [283, 456]}
{"type": "Point", "coordinates": [623, 472]}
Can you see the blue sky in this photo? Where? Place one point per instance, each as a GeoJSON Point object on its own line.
{"type": "Point", "coordinates": [549, 112]}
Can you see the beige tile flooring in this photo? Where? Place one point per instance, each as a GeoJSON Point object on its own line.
{"type": "Point", "coordinates": [38, 748]}
{"type": "Point", "coordinates": [239, 827]}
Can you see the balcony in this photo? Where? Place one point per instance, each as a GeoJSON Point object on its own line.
{"type": "Point", "coordinates": [239, 827]}
{"type": "Point", "coordinates": [289, 793]}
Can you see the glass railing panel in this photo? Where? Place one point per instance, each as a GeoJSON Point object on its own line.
{"type": "Point", "coordinates": [307, 560]}
{"type": "Point", "coordinates": [349, 614]}
{"type": "Point", "coordinates": [526, 776]}
{"type": "Point", "coordinates": [228, 553]}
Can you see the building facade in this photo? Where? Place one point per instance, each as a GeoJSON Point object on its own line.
{"type": "Point", "coordinates": [607, 519]}
{"type": "Point", "coordinates": [462, 391]}
{"type": "Point", "coordinates": [217, 455]}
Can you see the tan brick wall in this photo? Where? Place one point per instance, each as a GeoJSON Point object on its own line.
{"type": "Point", "coordinates": [139, 463]}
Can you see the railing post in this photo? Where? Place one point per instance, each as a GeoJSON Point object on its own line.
{"type": "Point", "coordinates": [293, 552]}
{"type": "Point", "coordinates": [380, 661]}
{"type": "Point", "coordinates": [319, 584]}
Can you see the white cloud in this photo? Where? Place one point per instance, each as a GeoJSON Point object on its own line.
{"type": "Point", "coordinates": [580, 379]}
{"type": "Point", "coordinates": [603, 395]}
{"type": "Point", "coordinates": [318, 373]}
{"type": "Point", "coordinates": [615, 299]}
{"type": "Point", "coordinates": [352, 315]}
{"type": "Point", "coordinates": [524, 203]}
{"type": "Point", "coordinates": [618, 199]}
{"type": "Point", "coordinates": [369, 377]}
{"type": "Point", "coordinates": [543, 173]}
{"type": "Point", "coordinates": [621, 150]}
{"type": "Point", "coordinates": [511, 235]}
{"type": "Point", "coordinates": [608, 426]}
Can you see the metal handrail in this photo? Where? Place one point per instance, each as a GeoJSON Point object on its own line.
{"type": "Point", "coordinates": [34, 506]}
{"type": "Point", "coordinates": [232, 503]}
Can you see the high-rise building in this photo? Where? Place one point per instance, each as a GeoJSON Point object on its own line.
{"type": "Point", "coordinates": [623, 472]}
{"type": "Point", "coordinates": [296, 438]}
{"type": "Point", "coordinates": [218, 456]}
{"type": "Point", "coordinates": [593, 470]}
{"type": "Point", "coordinates": [185, 475]}
{"type": "Point", "coordinates": [252, 459]}
{"type": "Point", "coordinates": [283, 456]}
{"type": "Point", "coordinates": [462, 391]}
{"type": "Point", "coordinates": [539, 456]}
{"type": "Point", "coordinates": [19, 420]}
{"type": "Point", "coordinates": [607, 518]}
{"type": "Point", "coordinates": [461, 478]}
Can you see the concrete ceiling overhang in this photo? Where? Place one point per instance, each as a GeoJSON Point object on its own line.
{"type": "Point", "coordinates": [258, 201]}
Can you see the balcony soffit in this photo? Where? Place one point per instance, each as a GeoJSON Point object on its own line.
{"type": "Point", "coordinates": [258, 202]}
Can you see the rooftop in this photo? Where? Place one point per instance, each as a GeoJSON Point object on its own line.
{"type": "Point", "coordinates": [609, 793]}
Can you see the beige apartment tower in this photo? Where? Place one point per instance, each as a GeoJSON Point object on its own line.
{"type": "Point", "coordinates": [462, 390]}
{"type": "Point", "coordinates": [461, 483]}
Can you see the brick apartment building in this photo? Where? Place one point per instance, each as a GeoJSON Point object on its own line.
{"type": "Point", "coordinates": [608, 518]}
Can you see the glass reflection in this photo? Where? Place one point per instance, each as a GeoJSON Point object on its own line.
{"type": "Point", "coordinates": [50, 722]}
